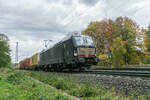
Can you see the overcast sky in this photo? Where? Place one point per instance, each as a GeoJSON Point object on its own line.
{"type": "Point", "coordinates": [31, 21]}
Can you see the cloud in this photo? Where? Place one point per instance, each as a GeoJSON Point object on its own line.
{"type": "Point", "coordinates": [36, 18]}
{"type": "Point", "coordinates": [89, 2]}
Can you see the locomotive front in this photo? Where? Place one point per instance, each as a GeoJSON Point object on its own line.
{"type": "Point", "coordinates": [84, 50]}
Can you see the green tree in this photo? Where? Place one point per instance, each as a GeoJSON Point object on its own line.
{"type": "Point", "coordinates": [147, 44]}
{"type": "Point", "coordinates": [147, 40]}
{"type": "Point", "coordinates": [128, 32]}
{"type": "Point", "coordinates": [4, 51]}
{"type": "Point", "coordinates": [118, 52]}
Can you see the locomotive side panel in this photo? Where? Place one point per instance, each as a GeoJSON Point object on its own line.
{"type": "Point", "coordinates": [68, 51]}
{"type": "Point", "coordinates": [61, 53]}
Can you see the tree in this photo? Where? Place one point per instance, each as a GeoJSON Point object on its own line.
{"type": "Point", "coordinates": [105, 31]}
{"type": "Point", "coordinates": [102, 33]}
{"type": "Point", "coordinates": [128, 32]}
{"type": "Point", "coordinates": [147, 44]}
{"type": "Point", "coordinates": [147, 40]}
{"type": "Point", "coordinates": [4, 51]}
{"type": "Point", "coordinates": [118, 52]}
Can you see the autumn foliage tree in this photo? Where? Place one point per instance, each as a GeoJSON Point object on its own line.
{"type": "Point", "coordinates": [106, 31]}
{"type": "Point", "coordinates": [102, 33]}
{"type": "Point", "coordinates": [4, 51]}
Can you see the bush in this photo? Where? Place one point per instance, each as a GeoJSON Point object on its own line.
{"type": "Point", "coordinates": [104, 60]}
{"type": "Point", "coordinates": [5, 70]}
{"type": "Point", "coordinates": [61, 97]}
{"type": "Point", "coordinates": [15, 77]}
{"type": "Point", "coordinates": [85, 91]}
{"type": "Point", "coordinates": [61, 84]}
{"type": "Point", "coordinates": [88, 91]}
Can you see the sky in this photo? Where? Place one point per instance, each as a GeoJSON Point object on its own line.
{"type": "Point", "coordinates": [30, 22]}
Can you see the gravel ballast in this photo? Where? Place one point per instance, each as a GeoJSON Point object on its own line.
{"type": "Point", "coordinates": [125, 85]}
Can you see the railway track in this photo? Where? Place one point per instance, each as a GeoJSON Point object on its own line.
{"type": "Point", "coordinates": [126, 68]}
{"type": "Point", "coordinates": [132, 73]}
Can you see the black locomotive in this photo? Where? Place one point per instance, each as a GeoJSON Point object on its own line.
{"type": "Point", "coordinates": [73, 52]}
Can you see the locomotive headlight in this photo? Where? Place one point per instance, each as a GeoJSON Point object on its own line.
{"type": "Point", "coordinates": [75, 53]}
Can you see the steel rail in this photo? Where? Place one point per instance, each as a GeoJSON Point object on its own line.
{"type": "Point", "coordinates": [131, 73]}
{"type": "Point", "coordinates": [126, 68]}
{"type": "Point", "coordinates": [120, 73]}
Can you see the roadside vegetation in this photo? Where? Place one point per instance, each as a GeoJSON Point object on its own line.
{"type": "Point", "coordinates": [16, 85]}
{"type": "Point", "coordinates": [84, 91]}
{"type": "Point", "coordinates": [24, 85]}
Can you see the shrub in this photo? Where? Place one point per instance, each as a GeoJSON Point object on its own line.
{"type": "Point", "coordinates": [104, 60]}
{"type": "Point", "coordinates": [85, 91]}
{"type": "Point", "coordinates": [15, 77]}
{"type": "Point", "coordinates": [61, 97]}
{"type": "Point", "coordinates": [61, 84]}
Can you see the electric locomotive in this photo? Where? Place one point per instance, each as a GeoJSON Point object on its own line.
{"type": "Point", "coordinates": [73, 52]}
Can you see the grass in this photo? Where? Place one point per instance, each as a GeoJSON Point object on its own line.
{"type": "Point", "coordinates": [69, 85]}
{"type": "Point", "coordinates": [16, 85]}
{"type": "Point", "coordinates": [83, 91]}
{"type": "Point", "coordinates": [24, 85]}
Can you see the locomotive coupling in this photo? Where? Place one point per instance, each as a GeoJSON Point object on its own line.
{"type": "Point", "coordinates": [82, 60]}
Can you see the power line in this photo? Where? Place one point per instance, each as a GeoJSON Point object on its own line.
{"type": "Point", "coordinates": [46, 42]}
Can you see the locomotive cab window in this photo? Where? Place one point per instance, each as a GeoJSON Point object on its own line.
{"type": "Point", "coordinates": [83, 41]}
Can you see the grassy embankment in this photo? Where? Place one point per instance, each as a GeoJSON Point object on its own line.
{"type": "Point", "coordinates": [85, 92]}
{"type": "Point", "coordinates": [16, 85]}
{"type": "Point", "coordinates": [33, 85]}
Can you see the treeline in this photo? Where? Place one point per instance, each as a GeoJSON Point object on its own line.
{"type": "Point", "coordinates": [5, 60]}
{"type": "Point", "coordinates": [120, 42]}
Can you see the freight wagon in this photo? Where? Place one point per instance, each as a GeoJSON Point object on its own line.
{"type": "Point", "coordinates": [25, 64]}
{"type": "Point", "coordinates": [34, 61]}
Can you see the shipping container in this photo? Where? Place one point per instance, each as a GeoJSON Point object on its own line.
{"type": "Point", "coordinates": [34, 60]}
{"type": "Point", "coordinates": [25, 63]}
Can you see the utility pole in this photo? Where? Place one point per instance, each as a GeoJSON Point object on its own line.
{"type": "Point", "coordinates": [46, 42]}
{"type": "Point", "coordinates": [16, 56]}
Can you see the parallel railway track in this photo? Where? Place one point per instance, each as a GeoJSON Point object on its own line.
{"type": "Point", "coordinates": [121, 72]}
{"type": "Point", "coordinates": [132, 72]}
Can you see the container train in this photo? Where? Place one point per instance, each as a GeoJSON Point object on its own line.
{"type": "Point", "coordinates": [73, 52]}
